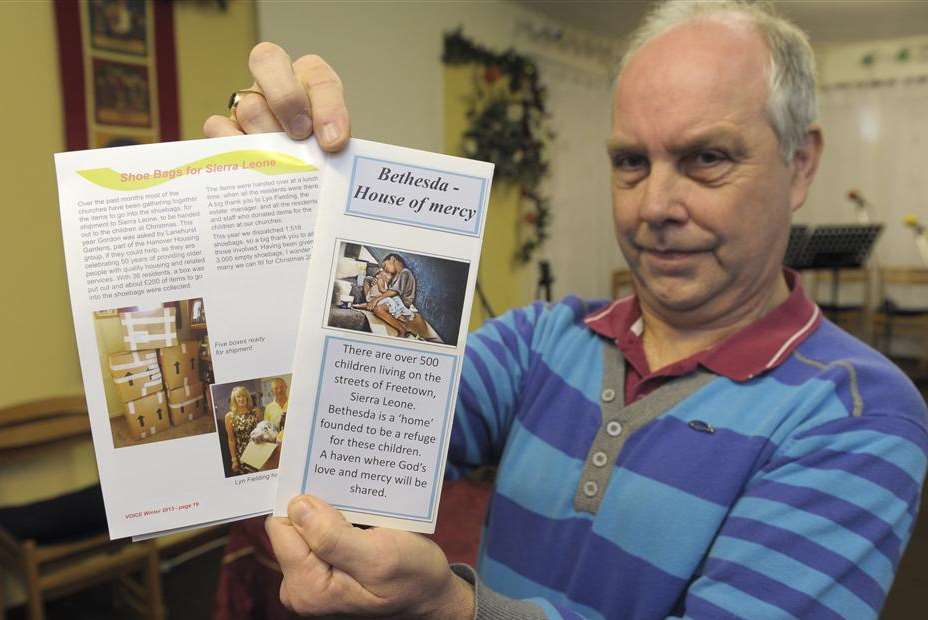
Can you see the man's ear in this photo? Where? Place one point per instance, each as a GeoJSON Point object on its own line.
{"type": "Point", "coordinates": [804, 166]}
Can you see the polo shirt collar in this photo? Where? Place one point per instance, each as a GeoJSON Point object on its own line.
{"type": "Point", "coordinates": [755, 349]}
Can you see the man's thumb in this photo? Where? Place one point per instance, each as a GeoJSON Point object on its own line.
{"type": "Point", "coordinates": [328, 534]}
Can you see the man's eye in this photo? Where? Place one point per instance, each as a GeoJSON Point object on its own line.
{"type": "Point", "coordinates": [707, 166]}
{"type": "Point", "coordinates": [630, 162]}
{"type": "Point", "coordinates": [708, 158]}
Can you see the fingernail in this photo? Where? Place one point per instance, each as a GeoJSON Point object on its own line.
{"type": "Point", "coordinates": [300, 512]}
{"type": "Point", "coordinates": [330, 133]}
{"type": "Point", "coordinates": [301, 126]}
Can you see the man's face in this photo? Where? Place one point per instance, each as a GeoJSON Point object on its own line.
{"type": "Point", "coordinates": [280, 391]}
{"type": "Point", "coordinates": [701, 196]}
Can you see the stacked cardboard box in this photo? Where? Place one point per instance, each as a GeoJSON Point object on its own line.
{"type": "Point", "coordinates": [186, 403]}
{"type": "Point", "coordinates": [180, 367]}
{"type": "Point", "coordinates": [148, 415]}
{"type": "Point", "coordinates": [149, 329]}
{"type": "Point", "coordinates": [136, 374]}
{"type": "Point", "coordinates": [180, 364]}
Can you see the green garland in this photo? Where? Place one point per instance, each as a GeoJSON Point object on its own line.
{"type": "Point", "coordinates": [508, 127]}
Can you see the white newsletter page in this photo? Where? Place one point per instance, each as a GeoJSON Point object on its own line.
{"type": "Point", "coordinates": [186, 266]}
{"type": "Point", "coordinates": [382, 332]}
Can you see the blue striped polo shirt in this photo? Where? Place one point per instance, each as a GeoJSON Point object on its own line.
{"type": "Point", "coordinates": [790, 494]}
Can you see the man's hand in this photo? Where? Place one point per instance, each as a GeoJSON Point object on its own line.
{"type": "Point", "coordinates": [333, 568]}
{"type": "Point", "coordinates": [301, 98]}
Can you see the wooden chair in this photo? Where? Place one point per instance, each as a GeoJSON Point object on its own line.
{"type": "Point", "coordinates": [892, 318]}
{"type": "Point", "coordinates": [853, 315]}
{"type": "Point", "coordinates": [622, 283]}
{"type": "Point", "coordinates": [48, 571]}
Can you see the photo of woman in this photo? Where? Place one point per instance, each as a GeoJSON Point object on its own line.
{"type": "Point", "coordinates": [240, 421]}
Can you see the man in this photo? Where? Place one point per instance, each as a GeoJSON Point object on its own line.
{"type": "Point", "coordinates": [276, 411]}
{"type": "Point", "coordinates": [708, 448]}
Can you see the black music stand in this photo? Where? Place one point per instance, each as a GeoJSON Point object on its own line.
{"type": "Point", "coordinates": [836, 247]}
{"type": "Point", "coordinates": [798, 236]}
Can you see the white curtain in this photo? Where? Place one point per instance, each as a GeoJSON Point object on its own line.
{"type": "Point", "coordinates": [581, 247]}
{"type": "Point", "coordinates": [876, 141]}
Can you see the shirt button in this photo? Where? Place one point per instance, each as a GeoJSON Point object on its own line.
{"type": "Point", "coordinates": [590, 488]}
{"type": "Point", "coordinates": [599, 459]}
{"type": "Point", "coordinates": [614, 429]}
{"type": "Point", "coordinates": [608, 395]}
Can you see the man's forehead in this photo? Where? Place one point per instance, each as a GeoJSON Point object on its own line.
{"type": "Point", "coordinates": [690, 137]}
{"type": "Point", "coordinates": [731, 38]}
{"type": "Point", "coordinates": [698, 70]}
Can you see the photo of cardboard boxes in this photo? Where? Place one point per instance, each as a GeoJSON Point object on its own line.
{"type": "Point", "coordinates": [157, 367]}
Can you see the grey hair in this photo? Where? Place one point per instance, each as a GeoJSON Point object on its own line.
{"type": "Point", "coordinates": [791, 99]}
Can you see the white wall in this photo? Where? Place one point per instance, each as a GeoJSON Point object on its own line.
{"type": "Point", "coordinates": [583, 251]}
{"type": "Point", "coordinates": [876, 141]}
{"type": "Point", "coordinates": [841, 63]}
{"type": "Point", "coordinates": [388, 55]}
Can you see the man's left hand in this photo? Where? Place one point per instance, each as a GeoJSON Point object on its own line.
{"type": "Point", "coordinates": [333, 568]}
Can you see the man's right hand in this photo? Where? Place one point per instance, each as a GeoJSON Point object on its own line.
{"type": "Point", "coordinates": [302, 98]}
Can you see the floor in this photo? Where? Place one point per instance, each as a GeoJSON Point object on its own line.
{"type": "Point", "coordinates": [122, 438]}
{"type": "Point", "coordinates": [189, 590]}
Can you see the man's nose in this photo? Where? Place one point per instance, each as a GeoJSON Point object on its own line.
{"type": "Point", "coordinates": [662, 199]}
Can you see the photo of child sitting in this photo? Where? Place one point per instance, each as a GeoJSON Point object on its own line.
{"type": "Point", "coordinates": [375, 286]}
{"type": "Point", "coordinates": [399, 294]}
{"type": "Point", "coordinates": [391, 296]}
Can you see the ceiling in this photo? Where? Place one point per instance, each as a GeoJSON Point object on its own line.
{"type": "Point", "coordinates": [826, 21]}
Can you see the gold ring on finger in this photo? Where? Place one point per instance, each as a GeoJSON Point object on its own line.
{"type": "Point", "coordinates": [236, 98]}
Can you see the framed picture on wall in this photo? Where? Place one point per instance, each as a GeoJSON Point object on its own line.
{"type": "Point", "coordinates": [122, 138]}
{"type": "Point", "coordinates": [119, 26]}
{"type": "Point", "coordinates": [121, 93]}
